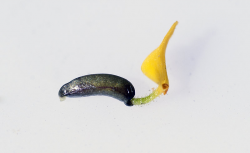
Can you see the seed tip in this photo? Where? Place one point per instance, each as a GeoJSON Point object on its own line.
{"type": "Point", "coordinates": [62, 98]}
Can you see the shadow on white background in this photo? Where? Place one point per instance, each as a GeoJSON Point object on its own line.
{"type": "Point", "coordinates": [183, 61]}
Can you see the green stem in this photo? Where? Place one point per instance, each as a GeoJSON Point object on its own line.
{"type": "Point", "coordinates": [147, 99]}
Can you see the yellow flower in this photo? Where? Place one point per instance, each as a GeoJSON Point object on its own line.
{"type": "Point", "coordinates": [154, 67]}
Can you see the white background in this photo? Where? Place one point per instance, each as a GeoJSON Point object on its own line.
{"type": "Point", "coordinates": [44, 44]}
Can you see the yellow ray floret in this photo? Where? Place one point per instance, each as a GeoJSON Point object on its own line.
{"type": "Point", "coordinates": [154, 67]}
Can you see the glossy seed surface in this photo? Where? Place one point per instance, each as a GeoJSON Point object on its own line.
{"type": "Point", "coordinates": [99, 84]}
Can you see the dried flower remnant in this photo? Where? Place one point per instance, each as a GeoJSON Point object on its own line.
{"type": "Point", "coordinates": [154, 67]}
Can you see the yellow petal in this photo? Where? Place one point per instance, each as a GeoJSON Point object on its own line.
{"type": "Point", "coordinates": [154, 66]}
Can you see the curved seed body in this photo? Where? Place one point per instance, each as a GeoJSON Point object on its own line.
{"type": "Point", "coordinates": [99, 84]}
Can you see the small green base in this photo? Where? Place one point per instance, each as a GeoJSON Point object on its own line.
{"type": "Point", "coordinates": [145, 100]}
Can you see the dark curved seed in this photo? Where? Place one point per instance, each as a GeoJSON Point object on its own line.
{"type": "Point", "coordinates": [99, 84]}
